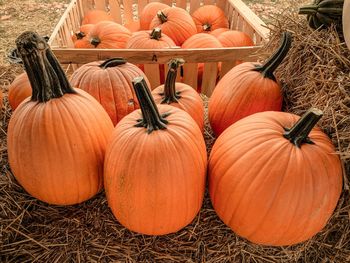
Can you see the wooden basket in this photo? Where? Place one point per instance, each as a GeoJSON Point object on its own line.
{"type": "Point", "coordinates": [124, 11]}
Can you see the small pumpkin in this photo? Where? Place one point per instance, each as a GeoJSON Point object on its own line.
{"type": "Point", "coordinates": [83, 32]}
{"type": "Point", "coordinates": [180, 95]}
{"type": "Point", "coordinates": [106, 34]}
{"type": "Point", "coordinates": [218, 31]}
{"type": "Point", "coordinates": [208, 18]}
{"type": "Point", "coordinates": [155, 167]}
{"type": "Point", "coordinates": [149, 12]}
{"type": "Point", "coordinates": [19, 90]}
{"type": "Point", "coordinates": [57, 138]}
{"type": "Point", "coordinates": [176, 23]}
{"type": "Point", "coordinates": [109, 82]}
{"type": "Point", "coordinates": [246, 89]}
{"type": "Point", "coordinates": [234, 38]}
{"type": "Point", "coordinates": [274, 178]}
{"type": "Point", "coordinates": [96, 16]}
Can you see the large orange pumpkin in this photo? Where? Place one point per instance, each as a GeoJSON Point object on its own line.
{"type": "Point", "coordinates": [109, 82]}
{"type": "Point", "coordinates": [57, 138]}
{"type": "Point", "coordinates": [234, 38]}
{"type": "Point", "coordinates": [180, 95]}
{"type": "Point", "coordinates": [274, 179]}
{"type": "Point", "coordinates": [176, 23]}
{"type": "Point", "coordinates": [19, 90]}
{"type": "Point", "coordinates": [218, 31]}
{"type": "Point", "coordinates": [96, 16]}
{"type": "Point", "coordinates": [105, 34]}
{"type": "Point", "coordinates": [246, 89]}
{"type": "Point", "coordinates": [133, 26]}
{"type": "Point", "coordinates": [83, 32]}
{"type": "Point", "coordinates": [149, 12]}
{"type": "Point", "coordinates": [208, 18]}
{"type": "Point", "coordinates": [155, 167]}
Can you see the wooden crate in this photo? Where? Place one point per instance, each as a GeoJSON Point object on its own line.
{"type": "Point", "coordinates": [124, 11]}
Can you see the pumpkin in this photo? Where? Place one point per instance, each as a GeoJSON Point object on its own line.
{"type": "Point", "coordinates": [155, 167]}
{"type": "Point", "coordinates": [83, 32]}
{"type": "Point", "coordinates": [133, 26]}
{"type": "Point", "coordinates": [323, 13]}
{"type": "Point", "coordinates": [218, 31]}
{"type": "Point", "coordinates": [106, 34]}
{"type": "Point", "coordinates": [208, 18]}
{"type": "Point", "coordinates": [176, 23]}
{"type": "Point", "coordinates": [109, 82]}
{"type": "Point", "coordinates": [149, 12]}
{"type": "Point", "coordinates": [246, 89]}
{"type": "Point", "coordinates": [57, 138]}
{"type": "Point", "coordinates": [274, 179]}
{"type": "Point", "coordinates": [201, 40]}
{"type": "Point", "coordinates": [180, 95]}
{"type": "Point", "coordinates": [234, 38]}
{"type": "Point", "coordinates": [96, 16]}
{"type": "Point", "coordinates": [19, 90]}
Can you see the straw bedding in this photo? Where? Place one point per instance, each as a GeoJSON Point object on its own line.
{"type": "Point", "coordinates": [316, 73]}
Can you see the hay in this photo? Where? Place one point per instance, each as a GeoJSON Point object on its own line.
{"type": "Point", "coordinates": [316, 73]}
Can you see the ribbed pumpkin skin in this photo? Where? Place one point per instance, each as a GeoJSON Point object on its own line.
{"type": "Point", "coordinates": [218, 32]}
{"type": "Point", "coordinates": [242, 86]}
{"type": "Point", "coordinates": [143, 40]}
{"type": "Point", "coordinates": [84, 29]}
{"type": "Point", "coordinates": [133, 26]}
{"type": "Point", "coordinates": [149, 12]}
{"type": "Point", "coordinates": [111, 86]}
{"type": "Point", "coordinates": [155, 182]}
{"type": "Point", "coordinates": [234, 38]}
{"type": "Point", "coordinates": [19, 90]}
{"type": "Point", "coordinates": [190, 101]}
{"type": "Point", "coordinates": [210, 15]}
{"type": "Point", "coordinates": [179, 27]}
{"type": "Point", "coordinates": [268, 190]}
{"type": "Point", "coordinates": [57, 153]}
{"type": "Point", "coordinates": [96, 16]}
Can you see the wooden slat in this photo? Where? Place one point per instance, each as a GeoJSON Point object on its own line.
{"type": "Point", "coordinates": [100, 5]}
{"type": "Point", "coordinates": [190, 74]}
{"type": "Point", "coordinates": [234, 21]}
{"type": "Point", "coordinates": [68, 35]}
{"type": "Point", "coordinates": [168, 2]}
{"type": "Point", "coordinates": [152, 73]}
{"type": "Point", "coordinates": [140, 5]}
{"type": "Point", "coordinates": [75, 19]}
{"type": "Point", "coordinates": [114, 8]}
{"type": "Point", "coordinates": [194, 4]}
{"type": "Point", "coordinates": [87, 5]}
{"type": "Point", "coordinates": [250, 31]}
{"type": "Point", "coordinates": [226, 67]}
{"type": "Point", "coordinates": [181, 3]}
{"type": "Point", "coordinates": [208, 2]}
{"type": "Point", "coordinates": [128, 17]}
{"type": "Point", "coordinates": [157, 56]}
{"type": "Point", "coordinates": [209, 78]}
{"type": "Point", "coordinates": [240, 22]}
{"type": "Point", "coordinates": [221, 4]}
{"type": "Point", "coordinates": [80, 9]}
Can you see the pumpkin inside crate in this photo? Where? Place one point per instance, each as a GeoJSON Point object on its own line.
{"type": "Point", "coordinates": [239, 17]}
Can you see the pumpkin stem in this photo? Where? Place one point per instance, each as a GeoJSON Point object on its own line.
{"type": "Point", "coordinates": [95, 41]}
{"type": "Point", "coordinates": [299, 133]}
{"type": "Point", "coordinates": [80, 35]}
{"type": "Point", "coordinates": [162, 17]}
{"type": "Point", "coordinates": [151, 118]}
{"type": "Point", "coordinates": [112, 62]}
{"type": "Point", "coordinates": [156, 33]}
{"type": "Point", "coordinates": [276, 59]}
{"type": "Point", "coordinates": [45, 74]}
{"type": "Point", "coordinates": [308, 10]}
{"type": "Point", "coordinates": [207, 27]}
{"type": "Point", "coordinates": [170, 94]}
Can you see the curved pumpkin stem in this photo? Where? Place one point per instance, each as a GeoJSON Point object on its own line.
{"type": "Point", "coordinates": [80, 35]}
{"type": "Point", "coordinates": [95, 41]}
{"type": "Point", "coordinates": [162, 17]}
{"type": "Point", "coordinates": [156, 33]}
{"type": "Point", "coordinates": [308, 10]}
{"type": "Point", "coordinates": [170, 94]}
{"type": "Point", "coordinates": [151, 118]}
{"type": "Point", "coordinates": [45, 74]}
{"type": "Point", "coordinates": [112, 62]}
{"type": "Point", "coordinates": [276, 59]}
{"type": "Point", "coordinates": [207, 27]}
{"type": "Point", "coordinates": [299, 133]}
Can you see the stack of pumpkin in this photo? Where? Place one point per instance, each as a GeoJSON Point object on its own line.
{"type": "Point", "coordinates": [274, 178]}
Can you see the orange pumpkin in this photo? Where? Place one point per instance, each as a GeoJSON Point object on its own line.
{"type": "Point", "coordinates": [96, 16]}
{"type": "Point", "coordinates": [83, 32]}
{"type": "Point", "coordinates": [217, 32]}
{"type": "Point", "coordinates": [106, 34]}
{"type": "Point", "coordinates": [19, 90]}
{"type": "Point", "coordinates": [234, 38]}
{"type": "Point", "coordinates": [180, 95]}
{"type": "Point", "coordinates": [246, 89]}
{"type": "Point", "coordinates": [109, 83]}
{"type": "Point", "coordinates": [274, 179]}
{"type": "Point", "coordinates": [57, 138]}
{"type": "Point", "coordinates": [149, 12]}
{"type": "Point", "coordinates": [164, 191]}
{"type": "Point", "coordinates": [176, 23]}
{"type": "Point", "coordinates": [133, 26]}
{"type": "Point", "coordinates": [208, 18]}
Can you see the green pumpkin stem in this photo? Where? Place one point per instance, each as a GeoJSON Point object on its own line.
{"type": "Point", "coordinates": [95, 41]}
{"type": "Point", "coordinates": [45, 74]}
{"type": "Point", "coordinates": [299, 133]}
{"type": "Point", "coordinates": [308, 10]}
{"type": "Point", "coordinates": [112, 62]}
{"type": "Point", "coordinates": [156, 33]}
{"type": "Point", "coordinates": [162, 17]}
{"type": "Point", "coordinates": [276, 59]}
{"type": "Point", "coordinates": [170, 94]}
{"type": "Point", "coordinates": [151, 118]}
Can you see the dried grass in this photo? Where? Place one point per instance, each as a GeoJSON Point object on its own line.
{"type": "Point", "coordinates": [316, 73]}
